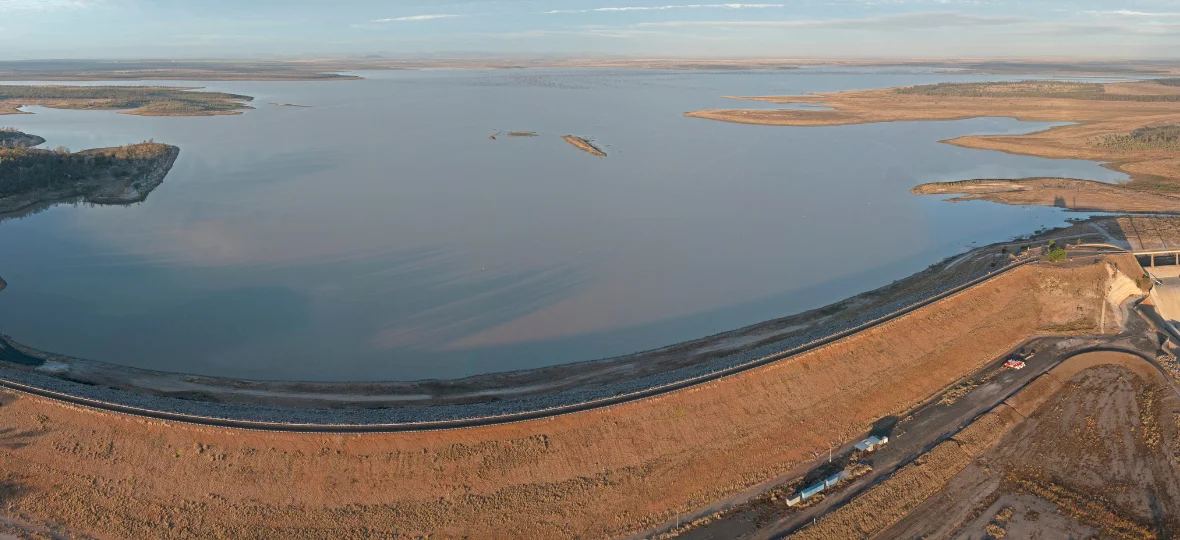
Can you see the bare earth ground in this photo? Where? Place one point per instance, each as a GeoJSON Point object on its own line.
{"type": "Point", "coordinates": [598, 473]}
{"type": "Point", "coordinates": [1150, 233]}
{"type": "Point", "coordinates": [1155, 173]}
{"type": "Point", "coordinates": [1097, 456]}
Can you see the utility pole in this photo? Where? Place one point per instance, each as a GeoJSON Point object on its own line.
{"type": "Point", "coordinates": [829, 452]}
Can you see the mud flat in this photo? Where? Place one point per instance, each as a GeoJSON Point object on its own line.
{"type": "Point", "coordinates": [118, 175]}
{"type": "Point", "coordinates": [1080, 195]}
{"type": "Point", "coordinates": [584, 144]}
{"type": "Point", "coordinates": [604, 472]}
{"type": "Point", "coordinates": [1123, 125]}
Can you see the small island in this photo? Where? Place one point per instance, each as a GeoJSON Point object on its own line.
{"type": "Point", "coordinates": [118, 175]}
{"type": "Point", "coordinates": [513, 134]}
{"type": "Point", "coordinates": [138, 100]}
{"type": "Point", "coordinates": [584, 144]}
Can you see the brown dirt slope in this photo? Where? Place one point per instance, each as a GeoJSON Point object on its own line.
{"type": "Point", "coordinates": [1122, 109]}
{"type": "Point", "coordinates": [599, 473]}
{"type": "Point", "coordinates": [1099, 450]}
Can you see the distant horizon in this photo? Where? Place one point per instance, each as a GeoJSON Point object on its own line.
{"type": "Point", "coordinates": [125, 29]}
{"type": "Point", "coordinates": [483, 56]}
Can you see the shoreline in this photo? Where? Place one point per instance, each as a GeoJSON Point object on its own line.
{"type": "Point", "coordinates": [377, 420]}
{"type": "Point", "coordinates": [124, 191]}
{"type": "Point", "coordinates": [106, 473]}
{"type": "Point", "coordinates": [1106, 121]}
{"type": "Point", "coordinates": [510, 395]}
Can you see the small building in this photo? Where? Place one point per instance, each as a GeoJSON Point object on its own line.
{"type": "Point", "coordinates": [835, 478]}
{"type": "Point", "coordinates": [794, 500]}
{"type": "Point", "coordinates": [810, 491]}
{"type": "Point", "coordinates": [872, 443]}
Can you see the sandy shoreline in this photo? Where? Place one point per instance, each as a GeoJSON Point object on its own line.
{"type": "Point", "coordinates": [1099, 113]}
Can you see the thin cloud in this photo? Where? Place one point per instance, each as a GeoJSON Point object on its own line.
{"type": "Point", "coordinates": [1132, 14]}
{"type": "Point", "coordinates": [908, 21]}
{"type": "Point", "coordinates": [664, 8]}
{"type": "Point", "coordinates": [43, 5]}
{"type": "Point", "coordinates": [427, 17]}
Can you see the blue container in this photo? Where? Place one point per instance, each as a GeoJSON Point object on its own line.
{"type": "Point", "coordinates": [835, 478]}
{"type": "Point", "coordinates": [810, 491]}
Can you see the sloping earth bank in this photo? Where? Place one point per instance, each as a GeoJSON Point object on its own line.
{"type": "Point", "coordinates": [1098, 453]}
{"type": "Point", "coordinates": [598, 473]}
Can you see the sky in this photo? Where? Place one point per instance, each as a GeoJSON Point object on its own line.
{"type": "Point", "coordinates": [40, 29]}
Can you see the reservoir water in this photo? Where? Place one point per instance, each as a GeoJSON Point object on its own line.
{"type": "Point", "coordinates": [379, 234]}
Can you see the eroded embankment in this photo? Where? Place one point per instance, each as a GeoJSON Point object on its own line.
{"type": "Point", "coordinates": [603, 472]}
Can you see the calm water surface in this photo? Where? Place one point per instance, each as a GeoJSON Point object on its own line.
{"type": "Point", "coordinates": [381, 235]}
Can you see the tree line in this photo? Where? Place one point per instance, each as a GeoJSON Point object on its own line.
{"type": "Point", "coordinates": [24, 170]}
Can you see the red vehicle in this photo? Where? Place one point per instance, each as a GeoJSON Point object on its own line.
{"type": "Point", "coordinates": [1014, 364]}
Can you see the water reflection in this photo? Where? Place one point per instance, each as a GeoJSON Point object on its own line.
{"type": "Point", "coordinates": [381, 235]}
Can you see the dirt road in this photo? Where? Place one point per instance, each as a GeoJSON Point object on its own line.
{"type": "Point", "coordinates": [920, 430]}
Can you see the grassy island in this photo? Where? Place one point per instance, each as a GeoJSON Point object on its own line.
{"type": "Point", "coordinates": [119, 175]}
{"type": "Point", "coordinates": [139, 100]}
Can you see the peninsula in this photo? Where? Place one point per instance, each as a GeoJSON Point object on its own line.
{"type": "Point", "coordinates": [1130, 127]}
{"type": "Point", "coordinates": [11, 138]}
{"type": "Point", "coordinates": [118, 175]}
{"type": "Point", "coordinates": [138, 100]}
